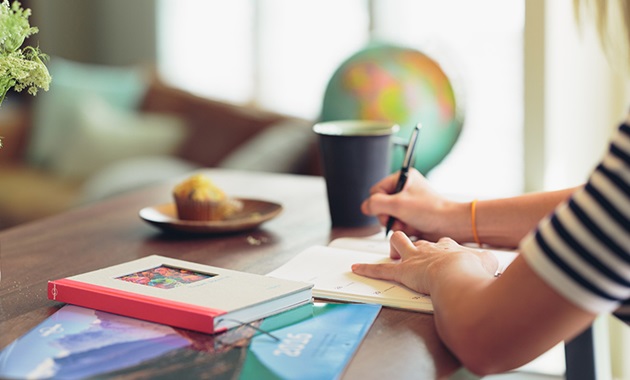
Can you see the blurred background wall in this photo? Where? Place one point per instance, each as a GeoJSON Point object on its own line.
{"type": "Point", "coordinates": [112, 32]}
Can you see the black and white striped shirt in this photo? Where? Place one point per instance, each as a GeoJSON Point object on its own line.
{"type": "Point", "coordinates": [582, 249]}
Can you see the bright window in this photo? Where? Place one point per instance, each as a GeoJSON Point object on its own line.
{"type": "Point", "coordinates": [279, 55]}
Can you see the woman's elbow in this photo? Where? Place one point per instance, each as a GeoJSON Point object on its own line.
{"type": "Point", "coordinates": [483, 366]}
{"type": "Point", "coordinates": [480, 353]}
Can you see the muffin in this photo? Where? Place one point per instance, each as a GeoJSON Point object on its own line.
{"type": "Point", "coordinates": [197, 198]}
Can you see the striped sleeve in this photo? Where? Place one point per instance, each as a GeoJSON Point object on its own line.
{"type": "Point", "coordinates": [582, 249]}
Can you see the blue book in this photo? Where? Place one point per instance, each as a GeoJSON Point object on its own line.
{"type": "Point", "coordinates": [76, 343]}
{"type": "Point", "coordinates": [319, 347]}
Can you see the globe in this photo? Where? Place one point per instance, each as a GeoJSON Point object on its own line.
{"type": "Point", "coordinates": [401, 85]}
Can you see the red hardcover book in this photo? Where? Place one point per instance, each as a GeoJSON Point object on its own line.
{"type": "Point", "coordinates": [181, 293]}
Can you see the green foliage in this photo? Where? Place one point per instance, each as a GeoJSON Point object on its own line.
{"type": "Point", "coordinates": [20, 68]}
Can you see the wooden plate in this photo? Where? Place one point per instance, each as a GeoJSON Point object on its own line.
{"type": "Point", "coordinates": [254, 213]}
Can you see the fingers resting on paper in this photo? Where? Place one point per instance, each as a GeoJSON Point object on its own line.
{"type": "Point", "coordinates": [417, 260]}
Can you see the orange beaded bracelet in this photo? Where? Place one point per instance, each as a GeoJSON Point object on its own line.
{"type": "Point", "coordinates": [473, 212]}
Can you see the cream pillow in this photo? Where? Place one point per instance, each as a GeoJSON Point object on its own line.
{"type": "Point", "coordinates": [103, 134]}
{"type": "Point", "coordinates": [279, 148]}
{"type": "Point", "coordinates": [122, 87]}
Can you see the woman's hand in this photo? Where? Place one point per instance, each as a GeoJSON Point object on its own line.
{"type": "Point", "coordinates": [419, 211]}
{"type": "Point", "coordinates": [477, 316]}
{"type": "Point", "coordinates": [422, 261]}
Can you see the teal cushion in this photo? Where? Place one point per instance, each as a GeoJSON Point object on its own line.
{"type": "Point", "coordinates": [120, 87]}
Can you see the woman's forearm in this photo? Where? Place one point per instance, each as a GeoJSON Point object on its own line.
{"type": "Point", "coordinates": [487, 323]}
{"type": "Point", "coordinates": [504, 222]}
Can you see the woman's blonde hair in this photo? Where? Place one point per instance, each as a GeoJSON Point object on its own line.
{"type": "Point", "coordinates": [612, 21]}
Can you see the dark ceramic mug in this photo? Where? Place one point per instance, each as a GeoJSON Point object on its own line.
{"type": "Point", "coordinates": [355, 155]}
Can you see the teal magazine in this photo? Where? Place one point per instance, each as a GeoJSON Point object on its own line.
{"type": "Point", "coordinates": [314, 341]}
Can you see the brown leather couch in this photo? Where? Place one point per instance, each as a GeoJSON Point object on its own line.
{"type": "Point", "coordinates": [215, 134]}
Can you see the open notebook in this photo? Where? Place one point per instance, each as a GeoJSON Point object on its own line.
{"type": "Point", "coordinates": [328, 268]}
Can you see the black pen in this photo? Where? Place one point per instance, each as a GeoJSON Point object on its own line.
{"type": "Point", "coordinates": [404, 171]}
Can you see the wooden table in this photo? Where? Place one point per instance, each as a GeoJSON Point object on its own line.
{"type": "Point", "coordinates": [400, 344]}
